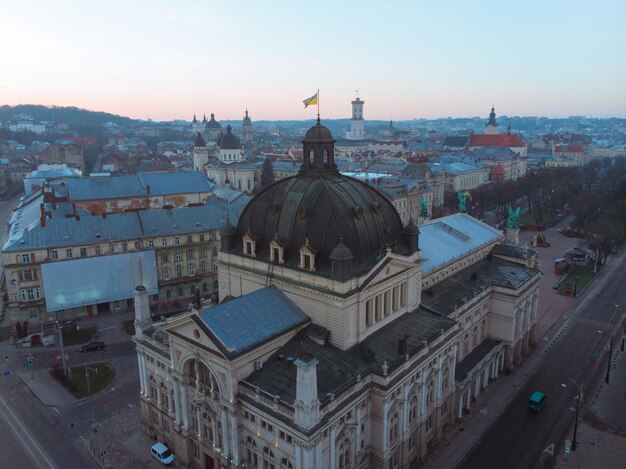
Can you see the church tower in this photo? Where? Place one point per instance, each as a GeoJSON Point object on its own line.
{"type": "Point", "coordinates": [247, 129]}
{"type": "Point", "coordinates": [356, 125]}
{"type": "Point", "coordinates": [200, 154]}
{"type": "Point", "coordinates": [491, 127]}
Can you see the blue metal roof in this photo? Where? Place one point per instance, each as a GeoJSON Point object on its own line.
{"type": "Point", "coordinates": [251, 319]}
{"type": "Point", "coordinates": [107, 187]}
{"type": "Point", "coordinates": [446, 239]}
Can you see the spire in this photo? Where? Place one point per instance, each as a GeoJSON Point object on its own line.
{"type": "Point", "coordinates": [492, 117]}
{"type": "Point", "coordinates": [194, 118]}
{"type": "Point", "coordinates": [204, 118]}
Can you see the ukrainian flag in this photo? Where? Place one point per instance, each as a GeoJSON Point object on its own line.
{"type": "Point", "coordinates": [310, 101]}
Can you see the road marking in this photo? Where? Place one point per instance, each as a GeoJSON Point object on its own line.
{"type": "Point", "coordinates": [57, 411]}
{"type": "Point", "coordinates": [107, 328]}
{"type": "Point", "coordinates": [483, 411]}
{"type": "Point", "coordinates": [549, 450]}
{"type": "Point", "coordinates": [35, 444]}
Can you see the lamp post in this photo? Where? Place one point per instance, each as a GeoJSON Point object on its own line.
{"type": "Point", "coordinates": [579, 387]}
{"type": "Point", "coordinates": [60, 333]}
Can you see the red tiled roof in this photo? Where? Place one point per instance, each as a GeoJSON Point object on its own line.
{"type": "Point", "coordinates": [569, 149]}
{"type": "Point", "coordinates": [495, 140]}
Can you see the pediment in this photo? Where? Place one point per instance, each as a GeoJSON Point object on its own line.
{"type": "Point", "coordinates": [191, 329]}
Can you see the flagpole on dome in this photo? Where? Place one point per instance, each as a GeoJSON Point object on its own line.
{"type": "Point", "coordinates": [318, 105]}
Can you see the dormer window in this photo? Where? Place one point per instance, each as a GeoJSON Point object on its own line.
{"type": "Point", "coordinates": [307, 256]}
{"type": "Point", "coordinates": [277, 251]}
{"type": "Point", "coordinates": [249, 245]}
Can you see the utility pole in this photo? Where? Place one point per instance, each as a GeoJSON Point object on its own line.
{"type": "Point", "coordinates": [608, 365]}
{"type": "Point", "coordinates": [60, 333]}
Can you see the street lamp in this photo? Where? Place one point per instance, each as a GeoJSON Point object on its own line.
{"type": "Point", "coordinates": [579, 387]}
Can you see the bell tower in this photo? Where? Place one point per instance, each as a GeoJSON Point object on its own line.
{"type": "Point", "coordinates": [356, 124]}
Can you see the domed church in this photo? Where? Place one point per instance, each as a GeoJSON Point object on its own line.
{"type": "Point", "coordinates": [342, 338]}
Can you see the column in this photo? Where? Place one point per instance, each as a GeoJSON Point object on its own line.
{"type": "Point", "coordinates": [225, 431]}
{"type": "Point", "coordinates": [333, 449]}
{"type": "Point", "coordinates": [159, 393]}
{"type": "Point", "coordinates": [308, 456]}
{"type": "Point", "coordinates": [298, 456]}
{"type": "Point", "coordinates": [176, 402]}
{"type": "Point", "coordinates": [460, 412]}
{"type": "Point", "coordinates": [196, 368]}
{"type": "Point", "coordinates": [385, 424]}
{"type": "Point", "coordinates": [358, 429]}
{"type": "Point", "coordinates": [142, 374]}
{"type": "Point", "coordinates": [405, 409]}
{"type": "Point", "coordinates": [468, 397]}
{"type": "Point", "coordinates": [183, 405]}
{"type": "Point", "coordinates": [318, 454]}
{"type": "Point", "coordinates": [199, 420]}
{"type": "Point", "coordinates": [234, 442]}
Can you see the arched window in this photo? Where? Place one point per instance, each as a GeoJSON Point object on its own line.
{"type": "Point", "coordinates": [475, 337]}
{"type": "Point", "coordinates": [430, 392]}
{"type": "Point", "coordinates": [203, 267]}
{"type": "Point", "coordinates": [191, 268]}
{"type": "Point", "coordinates": [251, 454]}
{"type": "Point", "coordinates": [344, 454]}
{"type": "Point", "coordinates": [268, 459]}
{"type": "Point", "coordinates": [285, 464]}
{"type": "Point", "coordinates": [394, 427]}
{"type": "Point", "coordinates": [445, 380]}
{"type": "Point", "coordinates": [466, 344]}
{"type": "Point", "coordinates": [179, 270]}
{"type": "Point", "coordinates": [413, 409]}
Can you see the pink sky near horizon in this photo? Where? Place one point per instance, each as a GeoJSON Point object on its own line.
{"type": "Point", "coordinates": [165, 61]}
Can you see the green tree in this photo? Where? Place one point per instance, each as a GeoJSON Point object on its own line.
{"type": "Point", "coordinates": [267, 173]}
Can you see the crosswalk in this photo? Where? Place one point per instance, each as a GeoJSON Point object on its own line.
{"type": "Point", "coordinates": [594, 323]}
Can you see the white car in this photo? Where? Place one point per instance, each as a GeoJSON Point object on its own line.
{"type": "Point", "coordinates": [162, 453]}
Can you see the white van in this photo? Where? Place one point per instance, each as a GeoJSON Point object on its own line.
{"type": "Point", "coordinates": [162, 453]}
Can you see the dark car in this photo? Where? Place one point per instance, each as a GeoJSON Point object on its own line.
{"type": "Point", "coordinates": [92, 346]}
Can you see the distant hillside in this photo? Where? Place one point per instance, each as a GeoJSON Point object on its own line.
{"type": "Point", "coordinates": [69, 115]}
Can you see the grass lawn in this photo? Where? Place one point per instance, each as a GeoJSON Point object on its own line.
{"type": "Point", "coordinates": [584, 274]}
{"type": "Point", "coordinates": [527, 218]}
{"type": "Point", "coordinates": [79, 336]}
{"type": "Point", "coordinates": [100, 376]}
{"type": "Point", "coordinates": [129, 326]}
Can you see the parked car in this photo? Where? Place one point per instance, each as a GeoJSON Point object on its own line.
{"type": "Point", "coordinates": [162, 453]}
{"type": "Point", "coordinates": [92, 346]}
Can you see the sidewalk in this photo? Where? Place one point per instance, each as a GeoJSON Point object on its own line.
{"type": "Point", "coordinates": [555, 313]}
{"type": "Point", "coordinates": [602, 430]}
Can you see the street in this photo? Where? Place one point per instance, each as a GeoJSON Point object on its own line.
{"type": "Point", "coordinates": [522, 439]}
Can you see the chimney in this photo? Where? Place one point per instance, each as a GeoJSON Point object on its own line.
{"type": "Point", "coordinates": [148, 189]}
{"type": "Point", "coordinates": [197, 303]}
{"type": "Point", "coordinates": [42, 218]}
{"type": "Point", "coordinates": [402, 345]}
{"type": "Point", "coordinates": [143, 320]}
{"type": "Point", "coordinates": [306, 405]}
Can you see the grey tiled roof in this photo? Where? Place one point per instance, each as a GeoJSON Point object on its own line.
{"type": "Point", "coordinates": [105, 187]}
{"type": "Point", "coordinates": [249, 320]}
{"type": "Point", "coordinates": [474, 357]}
{"type": "Point", "coordinates": [449, 294]}
{"type": "Point", "coordinates": [337, 370]}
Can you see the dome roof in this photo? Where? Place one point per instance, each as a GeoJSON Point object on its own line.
{"type": "Point", "coordinates": [229, 141]}
{"type": "Point", "coordinates": [411, 229]}
{"type": "Point", "coordinates": [213, 124]}
{"type": "Point", "coordinates": [341, 252]}
{"type": "Point", "coordinates": [199, 141]}
{"type": "Point", "coordinates": [318, 132]}
{"type": "Point", "coordinates": [322, 208]}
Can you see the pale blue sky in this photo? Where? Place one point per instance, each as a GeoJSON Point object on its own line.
{"type": "Point", "coordinates": [169, 59]}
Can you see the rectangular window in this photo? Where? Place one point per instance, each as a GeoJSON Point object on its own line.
{"type": "Point", "coordinates": [178, 255]}
{"type": "Point", "coordinates": [54, 254]}
{"type": "Point", "coordinates": [68, 253]}
{"type": "Point", "coordinates": [25, 257]}
{"type": "Point", "coordinates": [203, 267]}
{"type": "Point", "coordinates": [179, 271]}
{"type": "Point", "coordinates": [177, 241]}
{"type": "Point", "coordinates": [190, 254]}
{"type": "Point", "coordinates": [164, 257]}
{"type": "Point", "coordinates": [190, 239]}
{"type": "Point", "coordinates": [136, 245]}
{"type": "Point", "coordinates": [83, 252]}
{"type": "Point", "coordinates": [166, 273]}
{"type": "Point", "coordinates": [151, 243]}
{"type": "Point", "coordinates": [111, 248]}
{"type": "Point", "coordinates": [124, 247]}
{"type": "Point", "coordinates": [98, 250]}
{"type": "Point", "coordinates": [164, 242]}
{"type": "Point", "coordinates": [192, 270]}
{"type": "Point", "coordinates": [201, 237]}
{"type": "Point", "coordinates": [168, 294]}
